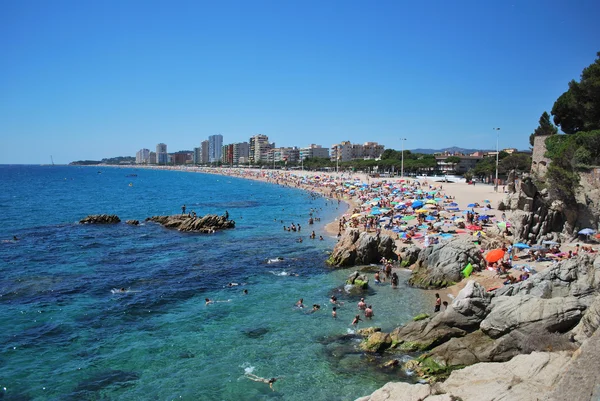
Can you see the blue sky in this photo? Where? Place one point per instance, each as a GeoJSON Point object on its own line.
{"type": "Point", "coordinates": [94, 79]}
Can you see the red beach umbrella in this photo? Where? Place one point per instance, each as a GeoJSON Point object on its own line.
{"type": "Point", "coordinates": [494, 255]}
{"type": "Point", "coordinates": [474, 227]}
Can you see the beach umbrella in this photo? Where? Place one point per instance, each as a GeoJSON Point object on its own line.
{"type": "Point", "coordinates": [521, 245]}
{"type": "Point", "coordinates": [430, 206]}
{"type": "Point", "coordinates": [549, 242]}
{"type": "Point", "coordinates": [486, 201]}
{"type": "Point", "coordinates": [422, 211]}
{"type": "Point", "coordinates": [471, 205]}
{"type": "Point", "coordinates": [410, 217]}
{"type": "Point", "coordinates": [483, 217]}
{"type": "Point", "coordinates": [396, 229]}
{"type": "Point", "coordinates": [474, 227]}
{"type": "Point", "coordinates": [431, 201]}
{"type": "Point", "coordinates": [453, 204]}
{"type": "Point", "coordinates": [355, 215]}
{"type": "Point", "coordinates": [502, 225]}
{"type": "Point", "coordinates": [438, 224]}
{"type": "Point", "coordinates": [586, 231]}
{"type": "Point", "coordinates": [430, 218]}
{"type": "Point", "coordinates": [417, 204]}
{"type": "Point", "coordinates": [494, 255]}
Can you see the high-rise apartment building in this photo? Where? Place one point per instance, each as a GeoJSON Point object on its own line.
{"type": "Point", "coordinates": [142, 156]}
{"type": "Point", "coordinates": [241, 150]}
{"type": "Point", "coordinates": [259, 148]}
{"type": "Point", "coordinates": [215, 147]}
{"type": "Point", "coordinates": [197, 155]}
{"type": "Point", "coordinates": [161, 154]}
{"type": "Point", "coordinates": [227, 154]}
{"type": "Point", "coordinates": [204, 152]}
{"type": "Point", "coordinates": [152, 158]}
{"type": "Point", "coordinates": [345, 151]}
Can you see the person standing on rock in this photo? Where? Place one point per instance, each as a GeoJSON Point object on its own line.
{"type": "Point", "coordinates": [438, 303]}
{"type": "Point", "coordinates": [183, 209]}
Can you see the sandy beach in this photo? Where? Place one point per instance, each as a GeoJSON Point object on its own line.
{"type": "Point", "coordinates": [336, 187]}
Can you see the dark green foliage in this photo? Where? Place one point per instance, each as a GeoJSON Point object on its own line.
{"type": "Point", "coordinates": [545, 128]}
{"type": "Point", "coordinates": [516, 161]}
{"type": "Point", "coordinates": [578, 109]}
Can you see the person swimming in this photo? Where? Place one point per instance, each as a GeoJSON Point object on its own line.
{"type": "Point", "coordinates": [208, 301]}
{"type": "Point", "coordinates": [255, 378]}
{"type": "Point", "coordinates": [300, 303]}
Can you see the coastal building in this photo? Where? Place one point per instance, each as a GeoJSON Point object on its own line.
{"type": "Point", "coordinates": [162, 157]}
{"type": "Point", "coordinates": [152, 158]}
{"type": "Point", "coordinates": [215, 147]}
{"type": "Point", "coordinates": [346, 151]}
{"type": "Point", "coordinates": [313, 151]}
{"type": "Point", "coordinates": [227, 154]}
{"type": "Point", "coordinates": [142, 156]}
{"type": "Point", "coordinates": [465, 164]}
{"type": "Point", "coordinates": [283, 155]}
{"type": "Point", "coordinates": [204, 152]}
{"type": "Point", "coordinates": [259, 149]}
{"type": "Point", "coordinates": [197, 155]}
{"type": "Point", "coordinates": [241, 150]}
{"type": "Point", "coordinates": [182, 157]}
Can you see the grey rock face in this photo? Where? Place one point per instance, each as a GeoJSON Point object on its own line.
{"type": "Point", "coordinates": [441, 265]}
{"type": "Point", "coordinates": [360, 248]}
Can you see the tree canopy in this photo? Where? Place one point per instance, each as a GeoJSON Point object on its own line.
{"type": "Point", "coordinates": [545, 128]}
{"type": "Point", "coordinates": [578, 109]}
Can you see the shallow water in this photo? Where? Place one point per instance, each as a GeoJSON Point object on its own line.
{"type": "Point", "coordinates": [67, 336]}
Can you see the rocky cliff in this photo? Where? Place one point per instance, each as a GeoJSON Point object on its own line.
{"type": "Point", "coordinates": [557, 310]}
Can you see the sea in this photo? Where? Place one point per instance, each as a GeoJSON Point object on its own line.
{"type": "Point", "coordinates": [67, 335]}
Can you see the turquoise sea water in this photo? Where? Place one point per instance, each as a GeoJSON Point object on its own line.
{"type": "Point", "coordinates": [65, 336]}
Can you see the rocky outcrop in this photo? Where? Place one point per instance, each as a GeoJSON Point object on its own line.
{"type": "Point", "coordinates": [133, 222]}
{"type": "Point", "coordinates": [466, 312]}
{"type": "Point", "coordinates": [358, 281]}
{"type": "Point", "coordinates": [100, 219]}
{"type": "Point", "coordinates": [360, 248]}
{"type": "Point", "coordinates": [410, 255]}
{"type": "Point", "coordinates": [441, 265]}
{"type": "Point", "coordinates": [201, 224]}
{"type": "Point", "coordinates": [524, 378]}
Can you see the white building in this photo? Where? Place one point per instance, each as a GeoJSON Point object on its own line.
{"type": "Point", "coordinates": [259, 148]}
{"type": "Point", "coordinates": [314, 151]}
{"type": "Point", "coordinates": [215, 146]}
{"type": "Point", "coordinates": [142, 156]}
{"type": "Point", "coordinates": [346, 151]}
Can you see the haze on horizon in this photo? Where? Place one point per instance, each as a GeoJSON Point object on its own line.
{"type": "Point", "coordinates": [89, 80]}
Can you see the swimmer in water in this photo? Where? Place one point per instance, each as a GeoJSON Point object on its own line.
{"type": "Point", "coordinates": [334, 312]}
{"type": "Point", "coordinates": [262, 379]}
{"type": "Point", "coordinates": [300, 303]}
{"type": "Point", "coordinates": [356, 320]}
{"type": "Point", "coordinates": [208, 301]}
{"type": "Point", "coordinates": [245, 292]}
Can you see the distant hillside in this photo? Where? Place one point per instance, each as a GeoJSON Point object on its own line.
{"type": "Point", "coordinates": [453, 149]}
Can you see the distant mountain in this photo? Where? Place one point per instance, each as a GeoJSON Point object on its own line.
{"type": "Point", "coordinates": [453, 149]}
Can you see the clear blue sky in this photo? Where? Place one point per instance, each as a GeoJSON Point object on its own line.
{"type": "Point", "coordinates": [93, 79]}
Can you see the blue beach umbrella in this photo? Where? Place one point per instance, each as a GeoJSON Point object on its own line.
{"type": "Point", "coordinates": [471, 205]}
{"type": "Point", "coordinates": [430, 218]}
{"type": "Point", "coordinates": [521, 245]}
{"type": "Point", "coordinates": [453, 204]}
{"type": "Point", "coordinates": [586, 231]}
{"type": "Point", "coordinates": [417, 204]}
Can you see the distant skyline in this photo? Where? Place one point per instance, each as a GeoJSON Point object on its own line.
{"type": "Point", "coordinates": [96, 79]}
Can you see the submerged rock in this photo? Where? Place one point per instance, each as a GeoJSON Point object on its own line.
{"type": "Point", "coordinates": [133, 222]}
{"type": "Point", "coordinates": [100, 219]}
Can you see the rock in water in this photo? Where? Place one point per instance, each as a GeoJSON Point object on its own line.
{"type": "Point", "coordinates": [441, 265]}
{"type": "Point", "coordinates": [201, 224]}
{"type": "Point", "coordinates": [100, 219]}
{"type": "Point", "coordinates": [133, 222]}
{"type": "Point", "coordinates": [361, 248]}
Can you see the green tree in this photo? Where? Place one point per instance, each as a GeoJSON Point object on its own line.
{"type": "Point", "coordinates": [544, 128]}
{"type": "Point", "coordinates": [578, 109]}
{"type": "Point", "coordinates": [517, 161]}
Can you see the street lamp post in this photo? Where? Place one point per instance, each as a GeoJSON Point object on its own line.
{"type": "Point", "coordinates": [497, 157]}
{"type": "Point", "coordinates": [402, 162]}
{"type": "Point", "coordinates": [337, 159]}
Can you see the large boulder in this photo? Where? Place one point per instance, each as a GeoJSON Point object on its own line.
{"type": "Point", "coordinates": [441, 265]}
{"type": "Point", "coordinates": [589, 323]}
{"type": "Point", "coordinates": [377, 342]}
{"type": "Point", "coordinates": [532, 315]}
{"type": "Point", "coordinates": [463, 315]}
{"type": "Point", "coordinates": [410, 255]}
{"type": "Point", "coordinates": [578, 277]}
{"type": "Point", "coordinates": [201, 224]}
{"type": "Point", "coordinates": [100, 219]}
{"type": "Point", "coordinates": [361, 248]}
